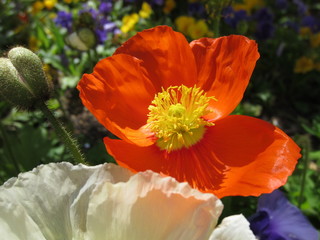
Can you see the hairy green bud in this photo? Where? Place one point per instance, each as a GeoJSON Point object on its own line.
{"type": "Point", "coordinates": [12, 88]}
{"type": "Point", "coordinates": [22, 79]}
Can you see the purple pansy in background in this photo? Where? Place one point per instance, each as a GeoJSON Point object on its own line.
{"type": "Point", "coordinates": [282, 4]}
{"type": "Point", "coordinates": [104, 27]}
{"type": "Point", "coordinates": [157, 2]}
{"type": "Point", "coordinates": [277, 219]}
{"type": "Point", "coordinates": [312, 22]}
{"type": "Point", "coordinates": [301, 7]}
{"type": "Point", "coordinates": [232, 17]}
{"type": "Point", "coordinates": [105, 7]}
{"type": "Point", "coordinates": [197, 9]}
{"type": "Point", "coordinates": [64, 19]}
{"type": "Point", "coordinates": [265, 27]}
{"type": "Point", "coordinates": [96, 20]}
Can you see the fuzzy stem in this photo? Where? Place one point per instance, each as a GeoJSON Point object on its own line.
{"type": "Point", "coordinates": [216, 26]}
{"type": "Point", "coordinates": [70, 142]}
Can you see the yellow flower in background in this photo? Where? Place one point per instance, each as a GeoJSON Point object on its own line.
{"type": "Point", "coordinates": [168, 6]}
{"type": "Point", "coordinates": [37, 7]}
{"type": "Point", "coordinates": [33, 43]}
{"type": "Point", "coordinates": [49, 4]}
{"type": "Point", "coordinates": [128, 22]}
{"type": "Point", "coordinates": [189, 26]}
{"type": "Point", "coordinates": [183, 23]}
{"type": "Point", "coordinates": [198, 29]}
{"type": "Point", "coordinates": [317, 66]}
{"type": "Point", "coordinates": [145, 11]}
{"type": "Point", "coordinates": [249, 5]}
{"type": "Point", "coordinates": [315, 40]}
{"type": "Point", "coordinates": [305, 31]}
{"type": "Point", "coordinates": [52, 15]}
{"type": "Point", "coordinates": [304, 65]}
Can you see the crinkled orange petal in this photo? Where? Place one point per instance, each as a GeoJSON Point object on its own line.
{"type": "Point", "coordinates": [134, 157]}
{"type": "Point", "coordinates": [165, 54]}
{"type": "Point", "coordinates": [197, 165]}
{"type": "Point", "coordinates": [238, 156]}
{"type": "Point", "coordinates": [259, 156]}
{"type": "Point", "coordinates": [118, 94]}
{"type": "Point", "coordinates": [224, 68]}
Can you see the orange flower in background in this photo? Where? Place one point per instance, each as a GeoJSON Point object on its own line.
{"type": "Point", "coordinates": [169, 102]}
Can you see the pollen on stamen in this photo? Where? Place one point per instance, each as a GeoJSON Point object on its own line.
{"type": "Point", "coordinates": [176, 117]}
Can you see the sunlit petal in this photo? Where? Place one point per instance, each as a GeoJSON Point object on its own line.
{"type": "Point", "coordinates": [235, 227]}
{"type": "Point", "coordinates": [62, 201]}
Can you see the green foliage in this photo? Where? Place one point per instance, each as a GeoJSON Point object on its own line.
{"type": "Point", "coordinates": [26, 142]}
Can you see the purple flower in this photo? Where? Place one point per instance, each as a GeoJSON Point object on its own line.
{"type": "Point", "coordinates": [64, 19]}
{"type": "Point", "coordinates": [292, 25]}
{"type": "Point", "coordinates": [312, 22]}
{"type": "Point", "coordinates": [105, 27]}
{"type": "Point", "coordinates": [265, 27]}
{"type": "Point", "coordinates": [263, 15]}
{"type": "Point", "coordinates": [264, 30]}
{"type": "Point", "coordinates": [105, 7]}
{"type": "Point", "coordinates": [277, 219]}
{"type": "Point", "coordinates": [232, 17]}
{"type": "Point", "coordinates": [197, 9]}
{"type": "Point", "coordinates": [157, 2]}
{"type": "Point", "coordinates": [99, 21]}
{"type": "Point", "coordinates": [282, 4]}
{"type": "Point", "coordinates": [302, 7]}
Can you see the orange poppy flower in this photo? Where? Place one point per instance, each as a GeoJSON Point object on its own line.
{"type": "Point", "coordinates": [169, 102]}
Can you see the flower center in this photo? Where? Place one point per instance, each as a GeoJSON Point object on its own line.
{"type": "Point", "coordinates": [176, 117]}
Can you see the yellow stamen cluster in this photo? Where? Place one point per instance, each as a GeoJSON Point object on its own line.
{"type": "Point", "coordinates": [176, 117]}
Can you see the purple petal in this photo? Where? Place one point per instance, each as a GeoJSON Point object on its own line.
{"type": "Point", "coordinates": [286, 221]}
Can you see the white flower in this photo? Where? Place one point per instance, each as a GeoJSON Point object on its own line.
{"type": "Point", "coordinates": [59, 201]}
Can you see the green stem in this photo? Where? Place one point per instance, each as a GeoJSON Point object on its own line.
{"type": "Point", "coordinates": [63, 134]}
{"type": "Point", "coordinates": [216, 26]}
{"type": "Point", "coordinates": [304, 174]}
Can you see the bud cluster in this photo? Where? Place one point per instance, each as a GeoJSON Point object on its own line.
{"type": "Point", "coordinates": [22, 80]}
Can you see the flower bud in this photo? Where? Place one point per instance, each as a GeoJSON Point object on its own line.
{"type": "Point", "coordinates": [22, 79]}
{"type": "Point", "coordinates": [12, 88]}
{"type": "Point", "coordinates": [83, 40]}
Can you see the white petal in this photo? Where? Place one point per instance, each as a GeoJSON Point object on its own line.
{"type": "Point", "coordinates": [16, 224]}
{"type": "Point", "coordinates": [149, 206]}
{"type": "Point", "coordinates": [62, 201]}
{"type": "Point", "coordinates": [46, 194]}
{"type": "Point", "coordinates": [235, 227]}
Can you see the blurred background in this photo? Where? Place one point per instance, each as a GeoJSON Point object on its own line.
{"type": "Point", "coordinates": [71, 36]}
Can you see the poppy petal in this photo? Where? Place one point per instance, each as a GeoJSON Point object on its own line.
{"type": "Point", "coordinates": [238, 156]}
{"type": "Point", "coordinates": [224, 68]}
{"type": "Point", "coordinates": [259, 156]}
{"type": "Point", "coordinates": [118, 94]}
{"type": "Point", "coordinates": [196, 165]}
{"type": "Point", "coordinates": [165, 54]}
